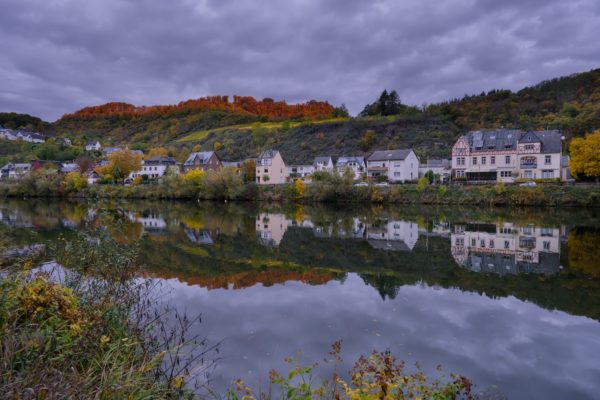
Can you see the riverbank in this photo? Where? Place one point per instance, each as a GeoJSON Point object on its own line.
{"type": "Point", "coordinates": [478, 195]}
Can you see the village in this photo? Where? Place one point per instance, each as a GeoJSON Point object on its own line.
{"type": "Point", "coordinates": [486, 156]}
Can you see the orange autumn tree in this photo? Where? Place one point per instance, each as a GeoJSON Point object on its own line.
{"type": "Point", "coordinates": [121, 164]}
{"type": "Point", "coordinates": [241, 104]}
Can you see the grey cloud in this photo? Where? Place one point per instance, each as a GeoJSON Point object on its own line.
{"type": "Point", "coordinates": [61, 56]}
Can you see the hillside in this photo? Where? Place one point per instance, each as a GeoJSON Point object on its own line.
{"type": "Point", "coordinates": [243, 126]}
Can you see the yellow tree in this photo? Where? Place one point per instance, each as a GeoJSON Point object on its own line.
{"type": "Point", "coordinates": [157, 152]}
{"type": "Point", "coordinates": [121, 164]}
{"type": "Point", "coordinates": [585, 156]}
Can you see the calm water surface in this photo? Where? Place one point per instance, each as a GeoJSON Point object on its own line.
{"type": "Point", "coordinates": [509, 298]}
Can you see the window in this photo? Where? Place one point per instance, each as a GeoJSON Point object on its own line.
{"type": "Point", "coordinates": [548, 160]}
{"type": "Point", "coordinates": [483, 160]}
{"type": "Point", "coordinates": [548, 174]}
{"type": "Point", "coordinates": [474, 160]}
{"type": "Point", "coordinates": [507, 160]}
{"type": "Point", "coordinates": [460, 241]}
{"type": "Point", "coordinates": [493, 160]}
{"type": "Point", "coordinates": [482, 243]}
{"type": "Point", "coordinates": [491, 243]}
{"type": "Point", "coordinates": [505, 174]}
{"type": "Point", "coordinates": [528, 147]}
{"type": "Point", "coordinates": [527, 174]}
{"type": "Point", "coordinates": [266, 170]}
{"type": "Point", "coordinates": [506, 244]}
{"type": "Point", "coordinates": [546, 245]}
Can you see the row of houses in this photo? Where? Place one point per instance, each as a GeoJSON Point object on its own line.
{"type": "Point", "coordinates": [17, 170]}
{"type": "Point", "coordinates": [394, 165]}
{"type": "Point", "coordinates": [12, 134]}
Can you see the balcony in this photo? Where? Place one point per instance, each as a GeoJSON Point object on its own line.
{"type": "Point", "coordinates": [528, 165]}
{"type": "Point", "coordinates": [377, 169]}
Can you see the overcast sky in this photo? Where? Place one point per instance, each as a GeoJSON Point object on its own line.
{"type": "Point", "coordinates": [57, 56]}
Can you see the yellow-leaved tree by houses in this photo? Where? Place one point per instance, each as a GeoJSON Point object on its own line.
{"type": "Point", "coordinates": [585, 156]}
{"type": "Point", "coordinates": [121, 164]}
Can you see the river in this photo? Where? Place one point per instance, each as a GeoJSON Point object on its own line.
{"type": "Point", "coordinates": [507, 297]}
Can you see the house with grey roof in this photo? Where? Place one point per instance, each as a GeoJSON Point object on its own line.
{"type": "Point", "coordinates": [398, 165]}
{"type": "Point", "coordinates": [438, 166]}
{"type": "Point", "coordinates": [503, 155]}
{"type": "Point", "coordinates": [323, 163]}
{"type": "Point", "coordinates": [203, 160]}
{"type": "Point", "coordinates": [355, 163]}
{"type": "Point", "coordinates": [93, 145]}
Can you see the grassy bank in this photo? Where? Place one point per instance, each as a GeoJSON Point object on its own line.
{"type": "Point", "coordinates": [332, 190]}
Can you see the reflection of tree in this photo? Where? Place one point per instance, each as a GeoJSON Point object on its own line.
{"type": "Point", "coordinates": [582, 247]}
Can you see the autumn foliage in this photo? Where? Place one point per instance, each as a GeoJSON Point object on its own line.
{"type": "Point", "coordinates": [241, 104]}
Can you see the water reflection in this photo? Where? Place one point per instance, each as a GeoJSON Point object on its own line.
{"type": "Point", "coordinates": [508, 297]}
{"type": "Point", "coordinates": [506, 248]}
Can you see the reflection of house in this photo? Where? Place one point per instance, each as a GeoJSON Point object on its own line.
{"type": "Point", "coordinates": [152, 223]}
{"type": "Point", "coordinates": [393, 235]}
{"type": "Point", "coordinates": [506, 248]}
{"type": "Point", "coordinates": [200, 236]}
{"type": "Point", "coordinates": [270, 228]}
{"type": "Point", "coordinates": [15, 218]}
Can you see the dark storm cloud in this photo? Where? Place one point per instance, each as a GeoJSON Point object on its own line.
{"type": "Point", "coordinates": [58, 56]}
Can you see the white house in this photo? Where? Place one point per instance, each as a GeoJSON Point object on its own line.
{"type": "Point", "coordinates": [15, 170]}
{"type": "Point", "coordinates": [270, 168]}
{"type": "Point", "coordinates": [300, 171]}
{"type": "Point", "coordinates": [504, 155]}
{"type": "Point", "coordinates": [92, 177]}
{"type": "Point", "coordinates": [395, 165]}
{"type": "Point", "coordinates": [355, 163]}
{"type": "Point", "coordinates": [156, 167]}
{"type": "Point", "coordinates": [323, 163]}
{"type": "Point", "coordinates": [440, 167]}
{"type": "Point", "coordinates": [93, 146]}
{"type": "Point", "coordinates": [8, 134]}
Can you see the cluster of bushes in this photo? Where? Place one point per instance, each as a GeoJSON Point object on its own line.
{"type": "Point", "coordinates": [90, 334]}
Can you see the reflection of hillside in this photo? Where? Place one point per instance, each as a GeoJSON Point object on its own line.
{"type": "Point", "coordinates": [246, 279]}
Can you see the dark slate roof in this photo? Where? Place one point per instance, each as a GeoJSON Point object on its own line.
{"type": "Point", "coordinates": [203, 155]}
{"type": "Point", "coordinates": [268, 154]}
{"type": "Point", "coordinates": [161, 161]}
{"type": "Point", "coordinates": [342, 161]}
{"type": "Point", "coordinates": [384, 155]}
{"type": "Point", "coordinates": [499, 139]}
{"type": "Point", "coordinates": [323, 159]}
{"type": "Point", "coordinates": [530, 137]}
{"type": "Point", "coordinates": [551, 140]}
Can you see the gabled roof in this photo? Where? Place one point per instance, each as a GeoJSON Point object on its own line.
{"type": "Point", "coordinates": [69, 167]}
{"type": "Point", "coordinates": [529, 137]}
{"type": "Point", "coordinates": [344, 160]}
{"type": "Point", "coordinates": [92, 143]}
{"type": "Point", "coordinates": [384, 155]}
{"type": "Point", "coordinates": [268, 154]}
{"type": "Point", "coordinates": [323, 159]}
{"type": "Point", "coordinates": [204, 156]}
{"type": "Point", "coordinates": [551, 141]}
{"type": "Point", "coordinates": [437, 163]}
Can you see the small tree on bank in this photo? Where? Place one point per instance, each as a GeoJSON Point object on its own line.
{"type": "Point", "coordinates": [585, 156]}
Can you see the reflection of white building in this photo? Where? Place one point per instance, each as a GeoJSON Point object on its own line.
{"type": "Point", "coordinates": [152, 223]}
{"type": "Point", "coordinates": [393, 235]}
{"type": "Point", "coordinates": [200, 236]}
{"type": "Point", "coordinates": [270, 228]}
{"type": "Point", "coordinates": [506, 248]}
